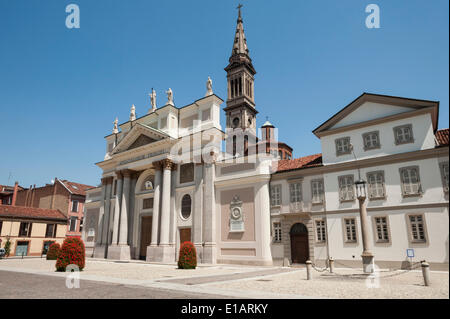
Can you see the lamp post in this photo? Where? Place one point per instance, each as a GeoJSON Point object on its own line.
{"type": "Point", "coordinates": [367, 256]}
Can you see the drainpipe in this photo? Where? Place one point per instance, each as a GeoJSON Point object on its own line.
{"type": "Point", "coordinates": [14, 197]}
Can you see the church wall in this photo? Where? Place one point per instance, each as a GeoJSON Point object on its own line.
{"type": "Point", "coordinates": [247, 196]}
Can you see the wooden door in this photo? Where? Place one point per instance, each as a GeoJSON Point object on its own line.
{"type": "Point", "coordinates": [299, 244]}
{"type": "Point", "coordinates": [146, 236]}
{"type": "Point", "coordinates": [185, 235]}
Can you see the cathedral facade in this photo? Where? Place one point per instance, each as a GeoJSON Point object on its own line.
{"type": "Point", "coordinates": [166, 181]}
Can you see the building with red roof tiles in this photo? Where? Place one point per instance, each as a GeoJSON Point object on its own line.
{"type": "Point", "coordinates": [63, 195]}
{"type": "Point", "coordinates": [393, 146]}
{"type": "Point", "coordinates": [31, 230]}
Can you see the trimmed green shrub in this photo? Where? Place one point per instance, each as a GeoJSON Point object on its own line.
{"type": "Point", "coordinates": [188, 256]}
{"type": "Point", "coordinates": [7, 247]}
{"type": "Point", "coordinates": [53, 251]}
{"type": "Point", "coordinates": [72, 253]}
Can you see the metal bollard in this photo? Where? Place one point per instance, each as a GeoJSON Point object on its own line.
{"type": "Point", "coordinates": [426, 273]}
{"type": "Point", "coordinates": [308, 270]}
{"type": "Point", "coordinates": [331, 261]}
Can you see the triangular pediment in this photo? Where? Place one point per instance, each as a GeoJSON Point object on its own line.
{"type": "Point", "coordinates": [368, 108]}
{"type": "Point", "coordinates": [140, 135]}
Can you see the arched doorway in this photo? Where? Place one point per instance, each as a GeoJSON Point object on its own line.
{"type": "Point", "coordinates": [299, 243]}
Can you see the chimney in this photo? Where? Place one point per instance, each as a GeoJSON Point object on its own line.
{"type": "Point", "coordinates": [16, 187]}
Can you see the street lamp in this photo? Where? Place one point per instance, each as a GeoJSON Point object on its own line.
{"type": "Point", "coordinates": [367, 256]}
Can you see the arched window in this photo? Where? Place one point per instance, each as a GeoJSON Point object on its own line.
{"type": "Point", "coordinates": [186, 206]}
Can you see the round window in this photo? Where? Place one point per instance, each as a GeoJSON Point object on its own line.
{"type": "Point", "coordinates": [186, 206]}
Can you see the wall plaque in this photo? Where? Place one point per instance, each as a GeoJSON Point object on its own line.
{"type": "Point", "coordinates": [236, 215]}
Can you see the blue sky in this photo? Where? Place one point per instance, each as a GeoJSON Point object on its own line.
{"type": "Point", "coordinates": [60, 89]}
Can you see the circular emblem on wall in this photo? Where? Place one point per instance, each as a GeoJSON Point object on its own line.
{"type": "Point", "coordinates": [236, 213]}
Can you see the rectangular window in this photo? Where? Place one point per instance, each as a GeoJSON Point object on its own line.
{"type": "Point", "coordinates": [317, 191]}
{"type": "Point", "coordinates": [417, 228]}
{"type": "Point", "coordinates": [382, 229]}
{"type": "Point", "coordinates": [444, 174]}
{"type": "Point", "coordinates": [1, 226]}
{"type": "Point", "coordinates": [275, 195]}
{"type": "Point", "coordinates": [75, 206]}
{"type": "Point", "coordinates": [346, 188]}
{"type": "Point", "coordinates": [73, 224]}
{"type": "Point", "coordinates": [371, 140]}
{"type": "Point", "coordinates": [25, 229]}
{"type": "Point", "coordinates": [186, 173]}
{"type": "Point", "coordinates": [295, 192]}
{"type": "Point", "coordinates": [277, 232]}
{"type": "Point", "coordinates": [321, 231]}
{"type": "Point", "coordinates": [410, 181]}
{"type": "Point", "coordinates": [50, 232]}
{"type": "Point", "coordinates": [403, 134]}
{"type": "Point", "coordinates": [375, 184]}
{"type": "Point", "coordinates": [343, 146]}
{"type": "Point", "coordinates": [350, 230]}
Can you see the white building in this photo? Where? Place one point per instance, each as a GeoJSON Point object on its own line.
{"type": "Point", "coordinates": [393, 144]}
{"type": "Point", "coordinates": [165, 180]}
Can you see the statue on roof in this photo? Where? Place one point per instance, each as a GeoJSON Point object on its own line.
{"type": "Point", "coordinates": [153, 100]}
{"type": "Point", "coordinates": [209, 90]}
{"type": "Point", "coordinates": [169, 96]}
{"type": "Point", "coordinates": [133, 113]}
{"type": "Point", "coordinates": [115, 129]}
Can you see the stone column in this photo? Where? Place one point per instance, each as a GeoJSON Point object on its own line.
{"type": "Point", "coordinates": [165, 252]}
{"type": "Point", "coordinates": [106, 229]}
{"type": "Point", "coordinates": [367, 256]}
{"type": "Point", "coordinates": [266, 253]}
{"type": "Point", "coordinates": [209, 216]}
{"type": "Point", "coordinates": [123, 231]}
{"type": "Point", "coordinates": [156, 205]}
{"type": "Point", "coordinates": [121, 250]}
{"type": "Point", "coordinates": [101, 215]}
{"type": "Point", "coordinates": [165, 207]}
{"type": "Point", "coordinates": [118, 201]}
{"type": "Point", "coordinates": [102, 228]}
{"type": "Point", "coordinates": [197, 214]}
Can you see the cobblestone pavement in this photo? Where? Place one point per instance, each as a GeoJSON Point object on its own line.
{"type": "Point", "coordinates": [228, 281]}
{"type": "Point", "coordinates": [348, 284]}
{"type": "Point", "coordinates": [14, 285]}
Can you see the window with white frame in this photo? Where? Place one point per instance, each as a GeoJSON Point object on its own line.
{"type": "Point", "coordinates": [346, 188]}
{"type": "Point", "coordinates": [403, 134]}
{"type": "Point", "coordinates": [317, 191]}
{"type": "Point", "coordinates": [295, 192]}
{"type": "Point", "coordinates": [444, 174]}
{"type": "Point", "coordinates": [321, 230]}
{"type": "Point", "coordinates": [277, 232]}
{"type": "Point", "coordinates": [371, 140]}
{"type": "Point", "coordinates": [375, 185]}
{"type": "Point", "coordinates": [343, 146]}
{"type": "Point", "coordinates": [73, 223]}
{"type": "Point", "coordinates": [350, 230]}
{"type": "Point", "coordinates": [381, 225]}
{"type": "Point", "coordinates": [417, 228]}
{"type": "Point", "coordinates": [275, 195]}
{"type": "Point", "coordinates": [75, 206]}
{"type": "Point", "coordinates": [410, 181]}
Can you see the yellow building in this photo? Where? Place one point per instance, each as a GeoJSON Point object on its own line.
{"type": "Point", "coordinates": [31, 230]}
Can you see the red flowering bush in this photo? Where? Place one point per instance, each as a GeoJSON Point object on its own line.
{"type": "Point", "coordinates": [53, 251]}
{"type": "Point", "coordinates": [188, 256]}
{"type": "Point", "coordinates": [72, 252]}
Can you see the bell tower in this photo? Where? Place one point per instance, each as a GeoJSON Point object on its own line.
{"type": "Point", "coordinates": [240, 109]}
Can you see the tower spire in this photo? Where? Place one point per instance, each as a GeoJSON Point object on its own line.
{"type": "Point", "coordinates": [240, 52]}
